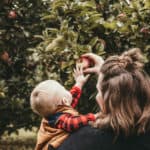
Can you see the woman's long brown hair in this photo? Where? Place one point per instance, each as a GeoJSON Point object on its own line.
{"type": "Point", "coordinates": [126, 93]}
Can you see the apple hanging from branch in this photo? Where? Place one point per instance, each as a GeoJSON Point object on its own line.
{"type": "Point", "coordinates": [12, 14]}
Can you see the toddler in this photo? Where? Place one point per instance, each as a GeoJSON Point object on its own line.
{"type": "Point", "coordinates": [55, 104]}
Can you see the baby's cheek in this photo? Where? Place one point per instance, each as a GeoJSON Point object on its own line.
{"type": "Point", "coordinates": [70, 97]}
{"type": "Point", "coordinates": [71, 100]}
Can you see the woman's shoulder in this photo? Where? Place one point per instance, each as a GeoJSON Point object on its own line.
{"type": "Point", "coordinates": [88, 138]}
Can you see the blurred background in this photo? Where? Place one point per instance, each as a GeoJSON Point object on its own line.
{"type": "Point", "coordinates": [43, 39]}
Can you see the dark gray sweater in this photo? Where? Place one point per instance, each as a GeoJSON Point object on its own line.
{"type": "Point", "coordinates": [88, 138]}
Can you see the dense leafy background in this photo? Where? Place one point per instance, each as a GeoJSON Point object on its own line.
{"type": "Point", "coordinates": [43, 39]}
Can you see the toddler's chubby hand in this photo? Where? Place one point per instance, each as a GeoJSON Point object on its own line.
{"type": "Point", "coordinates": [79, 77]}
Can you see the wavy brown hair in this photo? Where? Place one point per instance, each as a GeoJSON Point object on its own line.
{"type": "Point", "coordinates": [126, 93]}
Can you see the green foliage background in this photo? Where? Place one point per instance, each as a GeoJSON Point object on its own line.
{"type": "Point", "coordinates": [46, 39]}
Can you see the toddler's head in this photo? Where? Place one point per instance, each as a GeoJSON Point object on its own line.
{"type": "Point", "coordinates": [47, 95]}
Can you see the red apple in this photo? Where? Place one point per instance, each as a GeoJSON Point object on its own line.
{"type": "Point", "coordinates": [86, 62]}
{"type": "Point", "coordinates": [122, 17]}
{"type": "Point", "coordinates": [145, 30]}
{"type": "Point", "coordinates": [12, 14]}
{"type": "Point", "coordinates": [5, 56]}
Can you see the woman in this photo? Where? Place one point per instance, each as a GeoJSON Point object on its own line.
{"type": "Point", "coordinates": [124, 98]}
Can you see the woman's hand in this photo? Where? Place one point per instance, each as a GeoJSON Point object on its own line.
{"type": "Point", "coordinates": [91, 123]}
{"type": "Point", "coordinates": [79, 77]}
{"type": "Point", "coordinates": [97, 60]}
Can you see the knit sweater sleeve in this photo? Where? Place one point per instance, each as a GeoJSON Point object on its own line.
{"type": "Point", "coordinates": [70, 123]}
{"type": "Point", "coordinates": [76, 93]}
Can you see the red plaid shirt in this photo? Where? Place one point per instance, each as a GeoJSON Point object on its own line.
{"type": "Point", "coordinates": [69, 122]}
{"type": "Point", "coordinates": [76, 93]}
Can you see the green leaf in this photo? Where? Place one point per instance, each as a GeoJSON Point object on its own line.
{"type": "Point", "coordinates": [93, 41]}
{"type": "Point", "coordinates": [110, 25]}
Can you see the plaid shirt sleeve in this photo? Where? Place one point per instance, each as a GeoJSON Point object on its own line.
{"type": "Point", "coordinates": [76, 93]}
{"type": "Point", "coordinates": [70, 123]}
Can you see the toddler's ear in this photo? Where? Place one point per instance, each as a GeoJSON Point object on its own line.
{"type": "Point", "coordinates": [65, 101]}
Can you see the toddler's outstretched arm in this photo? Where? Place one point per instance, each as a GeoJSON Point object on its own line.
{"type": "Point", "coordinates": [80, 79]}
{"type": "Point", "coordinates": [70, 123]}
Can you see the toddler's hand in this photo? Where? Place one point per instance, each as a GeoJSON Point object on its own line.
{"type": "Point", "coordinates": [79, 77]}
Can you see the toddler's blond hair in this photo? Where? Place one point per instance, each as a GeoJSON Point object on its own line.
{"type": "Point", "coordinates": [46, 96]}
